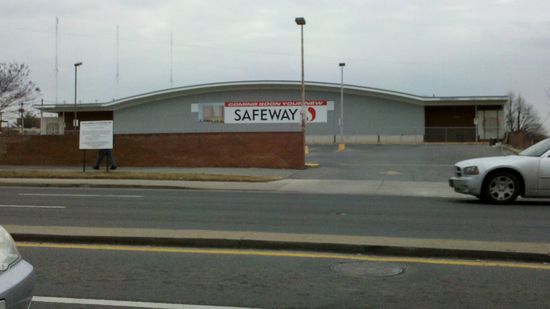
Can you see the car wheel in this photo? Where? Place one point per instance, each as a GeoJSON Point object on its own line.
{"type": "Point", "coordinates": [501, 188]}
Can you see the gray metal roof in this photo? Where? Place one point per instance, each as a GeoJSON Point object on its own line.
{"type": "Point", "coordinates": [277, 84]}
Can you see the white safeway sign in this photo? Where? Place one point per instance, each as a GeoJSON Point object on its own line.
{"type": "Point", "coordinates": [274, 111]}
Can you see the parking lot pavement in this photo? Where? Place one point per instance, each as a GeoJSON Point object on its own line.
{"type": "Point", "coordinates": [425, 162]}
{"type": "Point", "coordinates": [428, 163]}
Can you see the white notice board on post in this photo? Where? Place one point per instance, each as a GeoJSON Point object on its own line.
{"type": "Point", "coordinates": [96, 135]}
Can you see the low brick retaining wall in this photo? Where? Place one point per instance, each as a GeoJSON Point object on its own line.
{"type": "Point", "coordinates": [264, 149]}
{"type": "Point", "coordinates": [521, 139]}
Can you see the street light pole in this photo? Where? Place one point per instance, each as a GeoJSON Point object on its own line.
{"type": "Point", "coordinates": [301, 22]}
{"type": "Point", "coordinates": [76, 65]}
{"type": "Point", "coordinates": [342, 65]}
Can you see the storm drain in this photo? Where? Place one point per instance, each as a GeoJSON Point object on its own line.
{"type": "Point", "coordinates": [366, 269]}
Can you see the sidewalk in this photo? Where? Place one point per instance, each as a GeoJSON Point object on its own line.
{"type": "Point", "coordinates": [248, 179]}
{"type": "Point", "coordinates": [308, 186]}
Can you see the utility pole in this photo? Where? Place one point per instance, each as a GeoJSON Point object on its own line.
{"type": "Point", "coordinates": [42, 118]}
{"type": "Point", "coordinates": [342, 65]}
{"type": "Point", "coordinates": [300, 21]}
{"type": "Point", "coordinates": [75, 119]}
{"type": "Point", "coordinates": [21, 110]}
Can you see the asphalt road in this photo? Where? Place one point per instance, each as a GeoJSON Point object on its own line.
{"type": "Point", "coordinates": [424, 162]}
{"type": "Point", "coordinates": [393, 216]}
{"type": "Point", "coordinates": [242, 279]}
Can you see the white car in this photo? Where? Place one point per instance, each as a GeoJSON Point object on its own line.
{"type": "Point", "coordinates": [16, 275]}
{"type": "Point", "coordinates": [502, 179]}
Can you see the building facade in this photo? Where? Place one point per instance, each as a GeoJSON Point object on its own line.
{"type": "Point", "coordinates": [370, 115]}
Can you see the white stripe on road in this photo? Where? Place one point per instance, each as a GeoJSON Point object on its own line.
{"type": "Point", "coordinates": [81, 195]}
{"type": "Point", "coordinates": [119, 303]}
{"type": "Point", "coordinates": [32, 206]}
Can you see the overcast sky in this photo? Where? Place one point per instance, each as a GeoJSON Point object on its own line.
{"type": "Point", "coordinates": [446, 48]}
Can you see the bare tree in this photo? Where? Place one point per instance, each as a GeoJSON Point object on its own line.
{"type": "Point", "coordinates": [15, 85]}
{"type": "Point", "coordinates": [521, 116]}
{"type": "Point", "coordinates": [29, 121]}
{"type": "Point", "coordinates": [509, 119]}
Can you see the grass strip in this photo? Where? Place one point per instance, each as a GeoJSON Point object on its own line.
{"type": "Point", "coordinates": [135, 175]}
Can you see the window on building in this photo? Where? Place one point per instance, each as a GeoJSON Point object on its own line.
{"type": "Point", "coordinates": [211, 112]}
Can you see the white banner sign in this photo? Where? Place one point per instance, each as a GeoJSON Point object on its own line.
{"type": "Point", "coordinates": [96, 134]}
{"type": "Point", "coordinates": [274, 111]}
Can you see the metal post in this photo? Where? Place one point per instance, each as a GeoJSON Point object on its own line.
{"type": "Point", "coordinates": [303, 85]}
{"type": "Point", "coordinates": [301, 22]}
{"type": "Point", "coordinates": [75, 89]}
{"type": "Point", "coordinates": [107, 162]}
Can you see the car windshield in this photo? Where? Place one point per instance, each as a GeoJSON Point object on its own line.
{"type": "Point", "coordinates": [538, 149]}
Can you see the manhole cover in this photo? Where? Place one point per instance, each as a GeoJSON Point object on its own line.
{"type": "Point", "coordinates": [390, 173]}
{"type": "Point", "coordinates": [364, 269]}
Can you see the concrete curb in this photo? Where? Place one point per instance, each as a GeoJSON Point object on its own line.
{"type": "Point", "coordinates": [89, 185]}
{"type": "Point", "coordinates": [293, 246]}
{"type": "Point", "coordinates": [302, 186]}
{"type": "Point", "coordinates": [533, 252]}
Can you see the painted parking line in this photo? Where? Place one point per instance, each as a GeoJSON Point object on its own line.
{"type": "Point", "coordinates": [81, 195]}
{"type": "Point", "coordinates": [119, 303]}
{"type": "Point", "coordinates": [32, 206]}
{"type": "Point", "coordinates": [313, 255]}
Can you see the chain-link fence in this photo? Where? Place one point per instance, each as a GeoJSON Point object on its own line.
{"type": "Point", "coordinates": [18, 131]}
{"type": "Point", "coordinates": [457, 135]}
{"type": "Point", "coordinates": [397, 135]}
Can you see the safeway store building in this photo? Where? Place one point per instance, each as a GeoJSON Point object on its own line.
{"type": "Point", "coordinates": [370, 115]}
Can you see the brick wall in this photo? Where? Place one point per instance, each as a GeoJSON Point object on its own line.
{"type": "Point", "coordinates": [521, 139]}
{"type": "Point", "coordinates": [265, 149]}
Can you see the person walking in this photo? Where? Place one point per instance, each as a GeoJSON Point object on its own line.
{"type": "Point", "coordinates": [110, 158]}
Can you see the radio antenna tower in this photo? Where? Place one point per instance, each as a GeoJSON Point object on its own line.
{"type": "Point", "coordinates": [56, 59]}
{"type": "Point", "coordinates": [171, 61]}
{"type": "Point", "coordinates": [117, 59]}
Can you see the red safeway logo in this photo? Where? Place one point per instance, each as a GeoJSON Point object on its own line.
{"type": "Point", "coordinates": [312, 114]}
